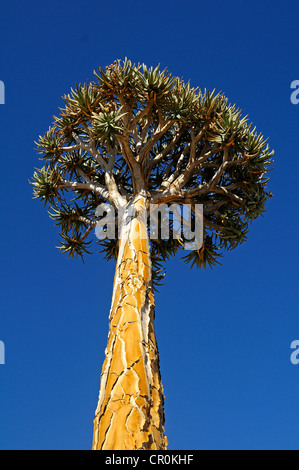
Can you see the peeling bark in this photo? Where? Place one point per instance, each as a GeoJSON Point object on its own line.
{"type": "Point", "coordinates": [130, 412]}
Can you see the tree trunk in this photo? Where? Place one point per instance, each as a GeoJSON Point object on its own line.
{"type": "Point", "coordinates": [130, 413]}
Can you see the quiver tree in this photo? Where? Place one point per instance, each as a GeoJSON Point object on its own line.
{"type": "Point", "coordinates": [134, 137]}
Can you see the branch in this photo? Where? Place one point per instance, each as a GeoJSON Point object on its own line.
{"type": "Point", "coordinates": [187, 194]}
{"type": "Point", "coordinates": [141, 114]}
{"type": "Point", "coordinates": [93, 224]}
{"type": "Point", "coordinates": [212, 225]}
{"type": "Point", "coordinates": [155, 137]}
{"type": "Point", "coordinates": [135, 167]}
{"type": "Point", "coordinates": [112, 157]}
{"type": "Point", "coordinates": [94, 187]}
{"type": "Point", "coordinates": [193, 164]}
{"type": "Point", "coordinates": [178, 180]}
{"type": "Point", "coordinates": [113, 194]}
{"type": "Point", "coordinates": [84, 176]}
{"type": "Point", "coordinates": [146, 127]}
{"type": "Point", "coordinates": [71, 148]}
{"type": "Point", "coordinates": [210, 206]}
{"type": "Point", "coordinates": [168, 181]}
{"type": "Point", "coordinates": [167, 170]}
{"type": "Point", "coordinates": [91, 148]}
{"type": "Point", "coordinates": [224, 190]}
{"type": "Point", "coordinates": [126, 150]}
{"type": "Point", "coordinates": [84, 220]}
{"type": "Point", "coordinates": [127, 110]}
{"type": "Point", "coordinates": [220, 171]}
{"type": "Point", "coordinates": [165, 151]}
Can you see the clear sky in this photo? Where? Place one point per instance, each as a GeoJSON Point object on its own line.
{"type": "Point", "coordinates": [224, 336]}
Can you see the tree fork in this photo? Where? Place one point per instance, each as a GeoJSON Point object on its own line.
{"type": "Point", "coordinates": [130, 411]}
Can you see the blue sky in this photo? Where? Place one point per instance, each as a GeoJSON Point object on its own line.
{"type": "Point", "coordinates": [224, 335]}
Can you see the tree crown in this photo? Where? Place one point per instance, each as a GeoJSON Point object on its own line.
{"type": "Point", "coordinates": [138, 130]}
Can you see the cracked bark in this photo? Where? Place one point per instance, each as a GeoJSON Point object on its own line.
{"type": "Point", "coordinates": [130, 411]}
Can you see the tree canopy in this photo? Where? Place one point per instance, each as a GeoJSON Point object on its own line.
{"type": "Point", "coordinates": [139, 130]}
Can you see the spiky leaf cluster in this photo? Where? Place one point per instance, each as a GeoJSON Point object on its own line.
{"type": "Point", "coordinates": [139, 130]}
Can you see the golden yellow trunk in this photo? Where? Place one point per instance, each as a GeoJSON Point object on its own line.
{"type": "Point", "coordinates": [130, 413]}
